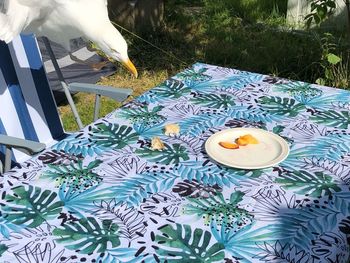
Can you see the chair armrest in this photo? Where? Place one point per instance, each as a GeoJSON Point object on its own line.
{"type": "Point", "coordinates": [26, 146]}
{"type": "Point", "coordinates": [118, 94]}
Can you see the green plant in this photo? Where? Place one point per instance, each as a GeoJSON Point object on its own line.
{"type": "Point", "coordinates": [334, 68]}
{"type": "Point", "coordinates": [248, 10]}
{"type": "Point", "coordinates": [330, 62]}
{"type": "Point", "coordinates": [342, 74]}
{"type": "Point", "coordinates": [322, 9]}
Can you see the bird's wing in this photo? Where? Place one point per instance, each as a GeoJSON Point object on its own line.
{"type": "Point", "coordinates": [16, 15]}
{"type": "Point", "coordinates": [13, 18]}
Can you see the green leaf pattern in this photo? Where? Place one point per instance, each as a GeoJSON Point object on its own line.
{"type": "Point", "coordinates": [76, 176]}
{"type": "Point", "coordinates": [87, 235]}
{"type": "Point", "coordinates": [107, 196]}
{"type": "Point", "coordinates": [113, 136]}
{"type": "Point", "coordinates": [331, 118]}
{"type": "Point", "coordinates": [281, 106]}
{"type": "Point", "coordinates": [191, 246]}
{"type": "Point", "coordinates": [213, 100]}
{"type": "Point", "coordinates": [313, 184]}
{"type": "Point", "coordinates": [31, 206]}
{"type": "Point", "coordinates": [171, 154]}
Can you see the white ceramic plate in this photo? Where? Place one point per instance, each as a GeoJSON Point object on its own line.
{"type": "Point", "coordinates": [271, 150]}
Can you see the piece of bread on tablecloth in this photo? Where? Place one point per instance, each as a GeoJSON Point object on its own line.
{"type": "Point", "coordinates": [172, 129]}
{"type": "Point", "coordinates": [157, 144]}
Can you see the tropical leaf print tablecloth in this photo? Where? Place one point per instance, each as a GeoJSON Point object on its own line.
{"type": "Point", "coordinates": [102, 194]}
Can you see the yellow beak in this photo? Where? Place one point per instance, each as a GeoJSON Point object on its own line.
{"type": "Point", "coordinates": [130, 66]}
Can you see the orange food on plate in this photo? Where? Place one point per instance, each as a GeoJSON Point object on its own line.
{"type": "Point", "coordinates": [229, 145]}
{"type": "Point", "coordinates": [250, 139]}
{"type": "Point", "coordinates": [241, 142]}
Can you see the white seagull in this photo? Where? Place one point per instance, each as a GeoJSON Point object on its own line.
{"type": "Point", "coordinates": [63, 20]}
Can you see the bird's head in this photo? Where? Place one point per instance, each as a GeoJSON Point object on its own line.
{"type": "Point", "coordinates": [115, 47]}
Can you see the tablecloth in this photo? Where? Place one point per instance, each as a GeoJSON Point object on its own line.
{"type": "Point", "coordinates": [103, 195]}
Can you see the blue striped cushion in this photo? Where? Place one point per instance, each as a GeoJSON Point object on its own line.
{"type": "Point", "coordinates": [27, 107]}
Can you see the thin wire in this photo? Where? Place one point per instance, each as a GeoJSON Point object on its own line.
{"type": "Point", "coordinates": [149, 43]}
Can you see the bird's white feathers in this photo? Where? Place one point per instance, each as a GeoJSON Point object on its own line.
{"type": "Point", "coordinates": [61, 21]}
{"type": "Point", "coordinates": [13, 19]}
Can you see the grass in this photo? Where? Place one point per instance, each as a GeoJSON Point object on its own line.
{"type": "Point", "coordinates": [85, 102]}
{"type": "Point", "coordinates": [252, 35]}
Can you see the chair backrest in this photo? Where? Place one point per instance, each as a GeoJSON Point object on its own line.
{"type": "Point", "coordinates": [71, 70]}
{"type": "Point", "coordinates": [27, 107]}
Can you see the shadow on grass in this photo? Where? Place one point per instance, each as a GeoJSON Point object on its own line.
{"type": "Point", "coordinates": [230, 33]}
{"type": "Point", "coordinates": [241, 34]}
{"type": "Point", "coordinates": [246, 47]}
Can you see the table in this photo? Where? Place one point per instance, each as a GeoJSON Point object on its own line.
{"type": "Point", "coordinates": [102, 195]}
